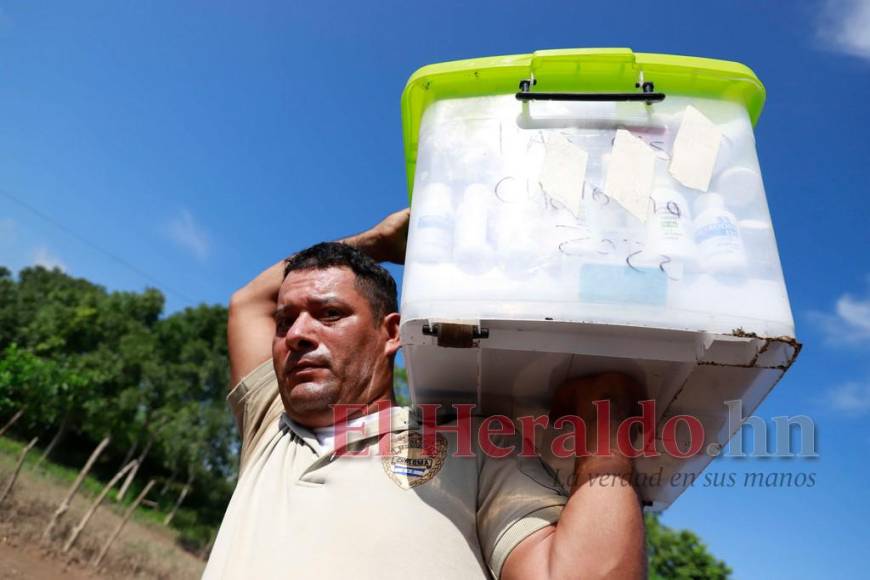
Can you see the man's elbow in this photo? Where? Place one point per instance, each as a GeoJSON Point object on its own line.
{"type": "Point", "coordinates": [608, 566]}
{"type": "Point", "coordinates": [241, 299]}
{"type": "Point", "coordinates": [598, 564]}
{"type": "Point", "coordinates": [617, 569]}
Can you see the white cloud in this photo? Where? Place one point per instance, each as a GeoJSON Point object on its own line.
{"type": "Point", "coordinates": [185, 232]}
{"type": "Point", "coordinates": [43, 257]}
{"type": "Point", "coordinates": [845, 26]}
{"type": "Point", "coordinates": [851, 398]}
{"type": "Point", "coordinates": [849, 323]}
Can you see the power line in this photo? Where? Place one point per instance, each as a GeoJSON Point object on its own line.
{"type": "Point", "coordinates": [132, 267]}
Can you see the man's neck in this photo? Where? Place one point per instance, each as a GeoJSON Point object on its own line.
{"type": "Point", "coordinates": [345, 412]}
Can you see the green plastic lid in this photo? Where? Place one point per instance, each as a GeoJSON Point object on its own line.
{"type": "Point", "coordinates": [579, 69]}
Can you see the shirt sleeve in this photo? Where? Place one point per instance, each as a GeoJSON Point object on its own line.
{"type": "Point", "coordinates": [255, 405]}
{"type": "Point", "coordinates": [517, 496]}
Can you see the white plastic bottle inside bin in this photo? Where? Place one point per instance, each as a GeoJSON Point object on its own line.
{"type": "Point", "coordinates": [717, 235]}
{"type": "Point", "coordinates": [736, 176]}
{"type": "Point", "coordinates": [433, 232]}
{"type": "Point", "coordinates": [669, 226]}
{"type": "Point", "coordinates": [762, 259]}
{"type": "Point", "coordinates": [471, 251]}
{"type": "Point", "coordinates": [740, 184]}
{"type": "Point", "coordinates": [512, 229]}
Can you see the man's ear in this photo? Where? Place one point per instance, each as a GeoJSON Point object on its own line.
{"type": "Point", "coordinates": [391, 327]}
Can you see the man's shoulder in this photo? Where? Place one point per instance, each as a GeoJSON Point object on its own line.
{"type": "Point", "coordinates": [256, 406]}
{"type": "Point", "coordinates": [262, 376]}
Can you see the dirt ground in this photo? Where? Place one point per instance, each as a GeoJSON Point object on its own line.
{"type": "Point", "coordinates": [20, 562]}
{"type": "Point", "coordinates": [143, 550]}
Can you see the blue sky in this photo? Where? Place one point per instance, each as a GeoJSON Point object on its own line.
{"type": "Point", "coordinates": [187, 145]}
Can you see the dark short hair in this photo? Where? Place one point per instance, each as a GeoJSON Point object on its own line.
{"type": "Point", "coordinates": [372, 280]}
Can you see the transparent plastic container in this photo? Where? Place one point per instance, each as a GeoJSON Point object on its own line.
{"type": "Point", "coordinates": [699, 260]}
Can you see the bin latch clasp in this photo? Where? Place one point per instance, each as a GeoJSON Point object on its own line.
{"type": "Point", "coordinates": [646, 87]}
{"type": "Point", "coordinates": [527, 84]}
{"type": "Point", "coordinates": [453, 335]}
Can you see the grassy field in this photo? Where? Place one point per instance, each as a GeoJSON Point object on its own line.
{"type": "Point", "coordinates": [145, 549]}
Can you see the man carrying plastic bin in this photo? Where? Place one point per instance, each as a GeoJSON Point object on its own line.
{"type": "Point", "coordinates": [337, 482]}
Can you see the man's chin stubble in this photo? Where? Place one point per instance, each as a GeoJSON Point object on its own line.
{"type": "Point", "coordinates": [312, 399]}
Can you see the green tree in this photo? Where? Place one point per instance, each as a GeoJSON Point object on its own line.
{"type": "Point", "coordinates": [400, 386]}
{"type": "Point", "coordinates": [83, 330]}
{"type": "Point", "coordinates": [24, 378]}
{"type": "Point", "coordinates": [8, 308]}
{"type": "Point", "coordinates": [192, 348]}
{"type": "Point", "coordinates": [89, 362]}
{"type": "Point", "coordinates": [680, 554]}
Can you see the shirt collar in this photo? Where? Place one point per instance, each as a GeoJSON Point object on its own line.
{"type": "Point", "coordinates": [401, 419]}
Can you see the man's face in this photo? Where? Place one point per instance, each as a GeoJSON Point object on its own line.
{"type": "Point", "coordinates": [327, 347]}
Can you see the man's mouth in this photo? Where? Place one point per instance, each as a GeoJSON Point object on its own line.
{"type": "Point", "coordinates": [305, 367]}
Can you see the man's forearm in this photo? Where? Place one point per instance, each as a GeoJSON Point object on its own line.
{"type": "Point", "coordinates": [385, 242]}
{"type": "Point", "coordinates": [263, 290]}
{"type": "Point", "coordinates": [250, 323]}
{"type": "Point", "coordinates": [600, 533]}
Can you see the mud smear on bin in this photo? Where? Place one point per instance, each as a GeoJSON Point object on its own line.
{"type": "Point", "coordinates": [768, 342]}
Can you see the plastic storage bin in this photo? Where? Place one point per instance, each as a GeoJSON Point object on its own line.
{"type": "Point", "coordinates": [584, 210]}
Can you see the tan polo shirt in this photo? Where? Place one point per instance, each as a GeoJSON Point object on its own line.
{"type": "Point", "coordinates": [302, 511]}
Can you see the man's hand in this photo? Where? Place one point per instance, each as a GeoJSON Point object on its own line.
{"type": "Point", "coordinates": [392, 237]}
{"type": "Point", "coordinates": [578, 397]}
{"type": "Point", "coordinates": [386, 241]}
{"type": "Point", "coordinates": [251, 326]}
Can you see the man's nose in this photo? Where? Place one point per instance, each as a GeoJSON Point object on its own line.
{"type": "Point", "coordinates": [301, 337]}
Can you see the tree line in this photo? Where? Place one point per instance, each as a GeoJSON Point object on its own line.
{"type": "Point", "coordinates": [80, 363]}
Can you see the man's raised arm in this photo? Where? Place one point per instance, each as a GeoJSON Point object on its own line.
{"type": "Point", "coordinates": [251, 323]}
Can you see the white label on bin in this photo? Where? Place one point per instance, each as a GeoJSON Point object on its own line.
{"type": "Point", "coordinates": [564, 171]}
{"type": "Point", "coordinates": [630, 173]}
{"type": "Point", "coordinates": [695, 150]}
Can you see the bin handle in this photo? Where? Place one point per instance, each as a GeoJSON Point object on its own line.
{"type": "Point", "coordinates": [649, 96]}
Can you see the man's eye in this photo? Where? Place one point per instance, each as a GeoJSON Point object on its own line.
{"type": "Point", "coordinates": [283, 324]}
{"type": "Point", "coordinates": [332, 314]}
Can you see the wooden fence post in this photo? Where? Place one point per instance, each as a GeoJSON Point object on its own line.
{"type": "Point", "coordinates": [61, 433]}
{"type": "Point", "coordinates": [14, 475]}
{"type": "Point", "coordinates": [130, 476]}
{"type": "Point", "coordinates": [11, 422]}
{"type": "Point", "coordinates": [180, 499]}
{"type": "Point", "coordinates": [74, 534]}
{"type": "Point", "coordinates": [64, 505]}
{"type": "Point", "coordinates": [121, 525]}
